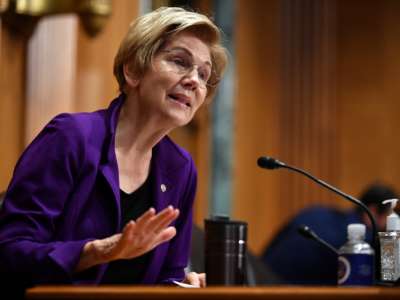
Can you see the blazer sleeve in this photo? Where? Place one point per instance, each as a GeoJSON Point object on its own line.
{"type": "Point", "coordinates": [41, 184]}
{"type": "Point", "coordinates": [179, 248]}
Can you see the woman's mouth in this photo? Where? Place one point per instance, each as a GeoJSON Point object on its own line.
{"type": "Point", "coordinates": [181, 99]}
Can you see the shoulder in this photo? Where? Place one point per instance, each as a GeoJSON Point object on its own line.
{"type": "Point", "coordinates": [78, 124]}
{"type": "Point", "coordinates": [318, 215]}
{"type": "Point", "coordinates": [316, 211]}
{"type": "Point", "coordinates": [68, 137]}
{"type": "Point", "coordinates": [329, 223]}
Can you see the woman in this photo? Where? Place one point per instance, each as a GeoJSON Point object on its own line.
{"type": "Point", "coordinates": [106, 197]}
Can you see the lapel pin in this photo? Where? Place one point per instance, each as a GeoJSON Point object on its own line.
{"type": "Point", "coordinates": [163, 188]}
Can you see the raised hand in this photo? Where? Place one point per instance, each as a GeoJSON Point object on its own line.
{"type": "Point", "coordinates": [137, 238]}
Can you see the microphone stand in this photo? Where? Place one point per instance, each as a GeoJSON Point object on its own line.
{"type": "Point", "coordinates": [271, 163]}
{"type": "Point", "coordinates": [308, 233]}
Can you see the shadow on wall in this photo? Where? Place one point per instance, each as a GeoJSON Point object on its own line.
{"type": "Point", "coordinates": [2, 195]}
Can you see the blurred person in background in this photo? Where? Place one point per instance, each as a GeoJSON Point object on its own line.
{"type": "Point", "coordinates": [297, 260]}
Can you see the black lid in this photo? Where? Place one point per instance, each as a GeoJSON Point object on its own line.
{"type": "Point", "coordinates": [222, 228]}
{"type": "Point", "coordinates": [224, 219]}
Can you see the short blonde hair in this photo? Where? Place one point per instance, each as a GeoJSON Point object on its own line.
{"type": "Point", "coordinates": [147, 34]}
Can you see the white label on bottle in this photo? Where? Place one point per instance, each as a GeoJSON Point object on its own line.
{"type": "Point", "coordinates": [343, 270]}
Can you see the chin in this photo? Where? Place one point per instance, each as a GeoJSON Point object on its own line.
{"type": "Point", "coordinates": [179, 121]}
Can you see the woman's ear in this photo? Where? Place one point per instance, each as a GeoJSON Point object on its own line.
{"type": "Point", "coordinates": [130, 78]}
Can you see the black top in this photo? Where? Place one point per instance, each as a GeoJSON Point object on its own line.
{"type": "Point", "coordinates": [128, 271]}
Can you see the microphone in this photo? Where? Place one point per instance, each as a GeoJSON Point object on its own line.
{"type": "Point", "coordinates": [272, 163]}
{"type": "Point", "coordinates": [308, 233]}
{"type": "Point", "coordinates": [269, 163]}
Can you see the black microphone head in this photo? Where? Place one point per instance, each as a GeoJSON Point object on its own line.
{"type": "Point", "coordinates": [305, 231]}
{"type": "Point", "coordinates": [269, 163]}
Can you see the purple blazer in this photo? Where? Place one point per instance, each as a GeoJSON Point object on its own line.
{"type": "Point", "coordinates": [65, 192]}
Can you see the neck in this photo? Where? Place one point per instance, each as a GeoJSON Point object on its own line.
{"type": "Point", "coordinates": [137, 130]}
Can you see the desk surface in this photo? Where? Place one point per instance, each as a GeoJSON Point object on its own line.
{"type": "Point", "coordinates": [209, 293]}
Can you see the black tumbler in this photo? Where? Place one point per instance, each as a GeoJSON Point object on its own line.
{"type": "Point", "coordinates": [225, 251]}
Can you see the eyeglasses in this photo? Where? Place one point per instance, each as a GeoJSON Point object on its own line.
{"type": "Point", "coordinates": [181, 62]}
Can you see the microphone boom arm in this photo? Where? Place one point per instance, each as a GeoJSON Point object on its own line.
{"type": "Point", "coordinates": [348, 197]}
{"type": "Point", "coordinates": [271, 163]}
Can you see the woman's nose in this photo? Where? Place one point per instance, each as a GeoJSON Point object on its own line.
{"type": "Point", "coordinates": [192, 78]}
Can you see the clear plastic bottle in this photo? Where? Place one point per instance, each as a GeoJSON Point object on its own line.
{"type": "Point", "coordinates": [390, 245]}
{"type": "Point", "coordinates": [390, 249]}
{"type": "Point", "coordinates": [356, 258]}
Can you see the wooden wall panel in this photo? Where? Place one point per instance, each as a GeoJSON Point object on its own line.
{"type": "Point", "coordinates": [285, 108]}
{"type": "Point", "coordinates": [95, 84]}
{"type": "Point", "coordinates": [318, 87]}
{"type": "Point", "coordinates": [51, 63]}
{"type": "Point", "coordinates": [257, 117]}
{"type": "Point", "coordinates": [369, 92]}
{"type": "Point", "coordinates": [12, 98]}
{"type": "Point", "coordinates": [389, 151]}
{"type": "Point", "coordinates": [308, 107]}
{"type": "Point", "coordinates": [70, 71]}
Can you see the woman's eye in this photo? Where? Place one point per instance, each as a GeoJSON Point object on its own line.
{"type": "Point", "coordinates": [204, 75]}
{"type": "Point", "coordinates": [179, 61]}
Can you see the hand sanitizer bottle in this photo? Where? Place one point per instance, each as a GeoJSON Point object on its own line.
{"type": "Point", "coordinates": [390, 245]}
{"type": "Point", "coordinates": [356, 258]}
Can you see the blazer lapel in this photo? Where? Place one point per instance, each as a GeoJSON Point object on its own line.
{"type": "Point", "coordinates": [109, 166]}
{"type": "Point", "coordinates": [165, 163]}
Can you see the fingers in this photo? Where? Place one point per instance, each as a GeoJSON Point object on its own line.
{"type": "Point", "coordinates": [193, 279]}
{"type": "Point", "coordinates": [166, 235]}
{"type": "Point", "coordinates": [202, 278]}
{"type": "Point", "coordinates": [124, 239]}
{"type": "Point", "coordinates": [165, 217]}
{"type": "Point", "coordinates": [151, 222]}
{"type": "Point", "coordinates": [143, 219]}
{"type": "Point", "coordinates": [196, 279]}
{"type": "Point", "coordinates": [127, 231]}
{"type": "Point", "coordinates": [147, 232]}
